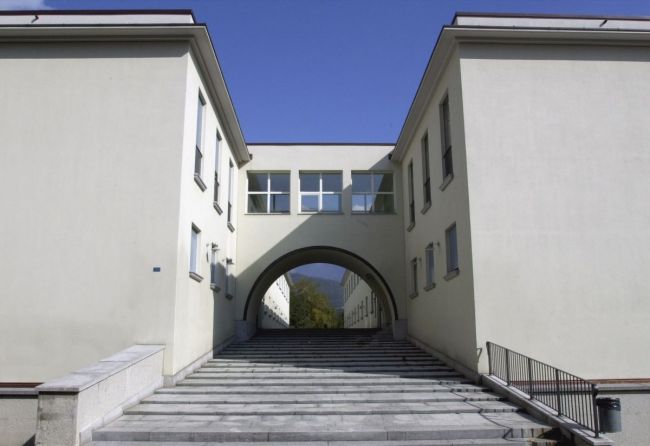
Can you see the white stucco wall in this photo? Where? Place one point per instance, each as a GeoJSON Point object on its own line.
{"type": "Point", "coordinates": [442, 317]}
{"type": "Point", "coordinates": [269, 237]}
{"type": "Point", "coordinates": [558, 148]}
{"type": "Point", "coordinates": [274, 311]}
{"type": "Point", "coordinates": [89, 184]}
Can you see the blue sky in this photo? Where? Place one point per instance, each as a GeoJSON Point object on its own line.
{"type": "Point", "coordinates": [330, 70]}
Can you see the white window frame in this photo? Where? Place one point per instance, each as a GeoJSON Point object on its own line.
{"type": "Point", "coordinates": [371, 194]}
{"type": "Point", "coordinates": [195, 248]}
{"type": "Point", "coordinates": [320, 192]}
{"type": "Point", "coordinates": [200, 124]}
{"type": "Point", "coordinates": [231, 193]}
{"type": "Point", "coordinates": [452, 249]}
{"type": "Point", "coordinates": [268, 192]}
{"type": "Point", "coordinates": [217, 176]}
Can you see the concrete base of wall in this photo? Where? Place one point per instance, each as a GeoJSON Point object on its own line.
{"type": "Point", "coordinates": [635, 407]}
{"type": "Point", "coordinates": [467, 372]}
{"type": "Point", "coordinates": [18, 409]}
{"type": "Point", "coordinates": [400, 329]}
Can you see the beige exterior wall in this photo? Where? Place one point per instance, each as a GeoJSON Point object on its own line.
{"type": "Point", "coordinates": [274, 311]}
{"type": "Point", "coordinates": [557, 143]}
{"type": "Point", "coordinates": [441, 317]}
{"type": "Point", "coordinates": [361, 307]}
{"type": "Point", "coordinates": [269, 237]}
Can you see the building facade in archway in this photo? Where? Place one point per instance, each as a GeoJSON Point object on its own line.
{"type": "Point", "coordinates": [510, 209]}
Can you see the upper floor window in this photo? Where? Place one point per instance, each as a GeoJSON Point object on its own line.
{"type": "Point", "coordinates": [231, 193]}
{"type": "Point", "coordinates": [320, 192]}
{"type": "Point", "coordinates": [429, 264]}
{"type": "Point", "coordinates": [268, 193]}
{"type": "Point", "coordinates": [452, 249]}
{"type": "Point", "coordinates": [413, 266]}
{"type": "Point", "coordinates": [372, 192]}
{"type": "Point", "coordinates": [426, 177]}
{"type": "Point", "coordinates": [217, 155]}
{"type": "Point", "coordinates": [200, 116]}
{"type": "Point", "coordinates": [445, 129]}
{"type": "Point", "coordinates": [411, 192]}
{"type": "Point", "coordinates": [195, 243]}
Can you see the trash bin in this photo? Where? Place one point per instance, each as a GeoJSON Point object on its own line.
{"type": "Point", "coordinates": [609, 414]}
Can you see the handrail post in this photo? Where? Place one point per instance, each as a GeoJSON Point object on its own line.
{"type": "Point", "coordinates": [530, 378]}
{"type": "Point", "coordinates": [507, 366]}
{"type": "Point", "coordinates": [557, 391]}
{"type": "Point", "coordinates": [594, 394]}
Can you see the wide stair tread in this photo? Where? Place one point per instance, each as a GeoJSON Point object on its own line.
{"type": "Point", "coordinates": [317, 389]}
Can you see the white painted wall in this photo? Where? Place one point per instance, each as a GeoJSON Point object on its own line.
{"type": "Point", "coordinates": [274, 310]}
{"type": "Point", "coordinates": [441, 317]}
{"type": "Point", "coordinates": [558, 143]}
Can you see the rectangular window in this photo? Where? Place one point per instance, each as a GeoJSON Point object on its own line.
{"type": "Point", "coordinates": [414, 277]}
{"type": "Point", "coordinates": [268, 193]}
{"type": "Point", "coordinates": [195, 244]}
{"type": "Point", "coordinates": [217, 154]}
{"type": "Point", "coordinates": [411, 195]}
{"type": "Point", "coordinates": [200, 116]}
{"type": "Point", "coordinates": [366, 306]}
{"type": "Point", "coordinates": [320, 192]}
{"type": "Point", "coordinates": [231, 193]}
{"type": "Point", "coordinates": [214, 268]}
{"type": "Point", "coordinates": [426, 177]}
{"type": "Point", "coordinates": [452, 249]}
{"type": "Point", "coordinates": [445, 129]}
{"type": "Point", "coordinates": [372, 193]}
{"type": "Point", "coordinates": [429, 263]}
{"type": "Point", "coordinates": [372, 302]}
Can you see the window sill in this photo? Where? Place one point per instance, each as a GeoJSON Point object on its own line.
{"type": "Point", "coordinates": [199, 182]}
{"type": "Point", "coordinates": [217, 207]}
{"type": "Point", "coordinates": [410, 227]}
{"type": "Point", "coordinates": [446, 181]}
{"type": "Point", "coordinates": [231, 228]}
{"type": "Point", "coordinates": [196, 276]}
{"type": "Point", "coordinates": [321, 213]}
{"type": "Point", "coordinates": [413, 295]}
{"type": "Point", "coordinates": [451, 274]}
{"type": "Point", "coordinates": [430, 287]}
{"type": "Point", "coordinates": [426, 208]}
{"type": "Point", "coordinates": [214, 287]}
{"type": "Point", "coordinates": [267, 213]}
{"type": "Point", "coordinates": [373, 213]}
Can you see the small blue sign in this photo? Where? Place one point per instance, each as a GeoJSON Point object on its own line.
{"type": "Point", "coordinates": [156, 269]}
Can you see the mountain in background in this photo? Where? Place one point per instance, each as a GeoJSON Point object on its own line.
{"type": "Point", "coordinates": [331, 288]}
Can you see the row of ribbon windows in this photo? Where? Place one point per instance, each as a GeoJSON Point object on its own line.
{"type": "Point", "coordinates": [320, 192]}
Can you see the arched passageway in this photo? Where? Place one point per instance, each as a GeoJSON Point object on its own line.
{"type": "Point", "coordinates": [316, 254]}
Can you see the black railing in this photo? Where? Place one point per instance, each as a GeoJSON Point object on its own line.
{"type": "Point", "coordinates": [572, 397]}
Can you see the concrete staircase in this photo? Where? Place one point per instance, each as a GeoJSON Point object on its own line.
{"type": "Point", "coordinates": [323, 388]}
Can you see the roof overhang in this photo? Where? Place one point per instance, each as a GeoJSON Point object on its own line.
{"type": "Point", "coordinates": [195, 34]}
{"type": "Point", "coordinates": [499, 29]}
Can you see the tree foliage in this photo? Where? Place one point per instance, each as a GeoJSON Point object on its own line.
{"type": "Point", "coordinates": [310, 308]}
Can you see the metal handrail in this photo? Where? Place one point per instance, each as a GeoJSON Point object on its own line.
{"type": "Point", "coordinates": [572, 397]}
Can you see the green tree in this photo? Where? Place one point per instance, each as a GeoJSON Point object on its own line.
{"type": "Point", "coordinates": [310, 308]}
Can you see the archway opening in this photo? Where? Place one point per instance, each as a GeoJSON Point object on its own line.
{"type": "Point", "coordinates": [367, 279]}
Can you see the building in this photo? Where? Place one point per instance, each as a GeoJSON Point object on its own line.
{"type": "Point", "coordinates": [274, 313]}
{"type": "Point", "coordinates": [361, 308]}
{"type": "Point", "coordinates": [510, 210]}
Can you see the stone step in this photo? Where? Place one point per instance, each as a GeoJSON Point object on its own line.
{"type": "Point", "coordinates": [320, 364]}
{"type": "Point", "coordinates": [377, 380]}
{"type": "Point", "coordinates": [282, 398]}
{"type": "Point", "coordinates": [289, 428]}
{"type": "Point", "coordinates": [324, 374]}
{"type": "Point", "coordinates": [343, 409]}
{"type": "Point", "coordinates": [309, 357]}
{"type": "Point", "coordinates": [319, 345]}
{"type": "Point", "coordinates": [460, 442]}
{"type": "Point", "coordinates": [391, 369]}
{"type": "Point", "coordinates": [315, 348]}
{"type": "Point", "coordinates": [246, 389]}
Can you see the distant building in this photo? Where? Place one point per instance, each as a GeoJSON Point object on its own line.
{"type": "Point", "coordinates": [361, 308]}
{"type": "Point", "coordinates": [274, 312]}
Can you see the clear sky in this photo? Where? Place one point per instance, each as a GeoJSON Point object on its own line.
{"type": "Point", "coordinates": [330, 70]}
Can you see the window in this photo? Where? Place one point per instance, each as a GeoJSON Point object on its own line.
{"type": "Point", "coordinates": [320, 192]}
{"type": "Point", "coordinates": [198, 155]}
{"type": "Point", "coordinates": [414, 278]}
{"type": "Point", "coordinates": [372, 302]}
{"type": "Point", "coordinates": [214, 268]}
{"type": "Point", "coordinates": [268, 193]}
{"type": "Point", "coordinates": [231, 193]}
{"type": "Point", "coordinates": [372, 193]}
{"type": "Point", "coordinates": [366, 306]}
{"type": "Point", "coordinates": [429, 264]}
{"type": "Point", "coordinates": [447, 163]}
{"type": "Point", "coordinates": [411, 196]}
{"type": "Point", "coordinates": [426, 177]}
{"type": "Point", "coordinates": [217, 154]}
{"type": "Point", "coordinates": [452, 249]}
{"type": "Point", "coordinates": [195, 243]}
